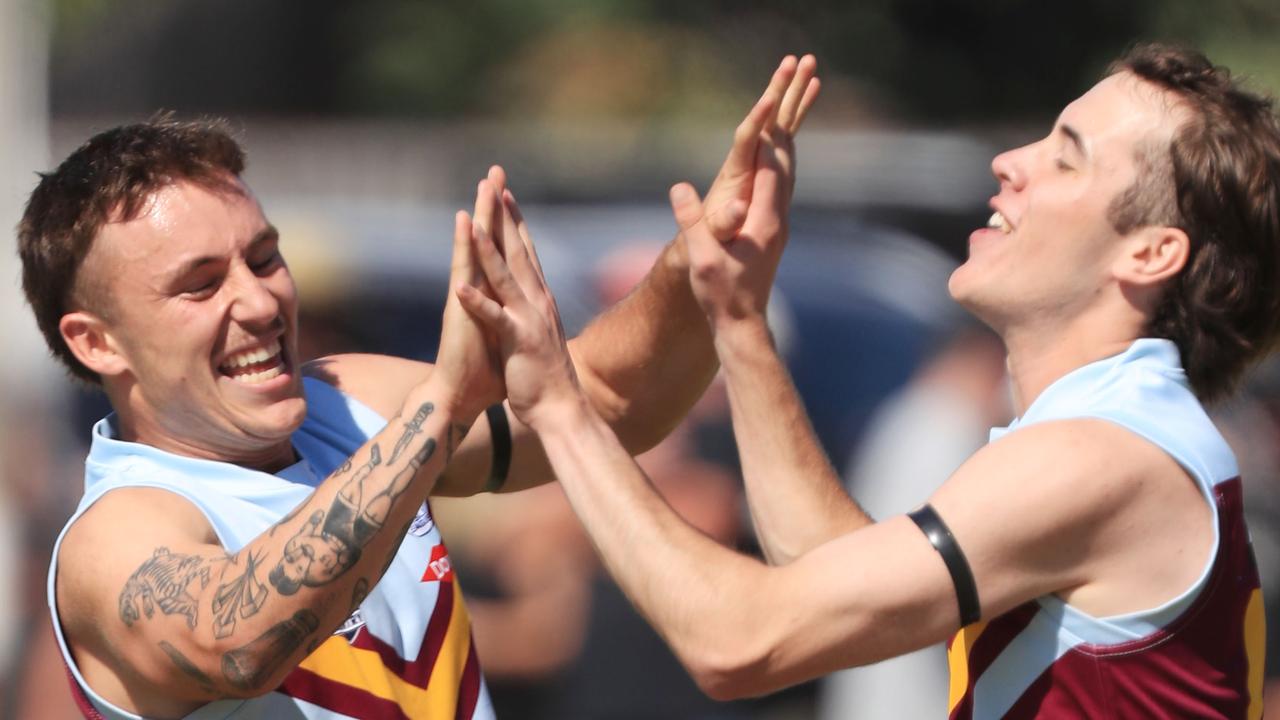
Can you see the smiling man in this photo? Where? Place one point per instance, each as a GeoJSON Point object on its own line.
{"type": "Point", "coordinates": [254, 540]}
{"type": "Point", "coordinates": [1092, 560]}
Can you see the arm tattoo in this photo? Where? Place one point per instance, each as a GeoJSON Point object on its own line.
{"type": "Point", "coordinates": [331, 542]}
{"type": "Point", "coordinates": [164, 581]}
{"type": "Point", "coordinates": [248, 667]}
{"type": "Point", "coordinates": [188, 667]}
{"type": "Point", "coordinates": [241, 597]}
{"type": "Point", "coordinates": [360, 593]}
{"type": "Point", "coordinates": [411, 428]}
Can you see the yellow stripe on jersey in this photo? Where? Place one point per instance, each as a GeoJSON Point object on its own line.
{"type": "Point", "coordinates": [958, 661]}
{"type": "Point", "coordinates": [1255, 640]}
{"type": "Point", "coordinates": [338, 661]}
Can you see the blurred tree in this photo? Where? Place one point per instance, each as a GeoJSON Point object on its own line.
{"type": "Point", "coordinates": [919, 61]}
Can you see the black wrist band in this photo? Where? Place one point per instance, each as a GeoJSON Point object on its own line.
{"type": "Point", "coordinates": [926, 518]}
{"type": "Point", "coordinates": [500, 438]}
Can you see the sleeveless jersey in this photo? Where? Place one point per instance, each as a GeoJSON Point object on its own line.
{"type": "Point", "coordinates": [406, 652]}
{"type": "Point", "coordinates": [1200, 655]}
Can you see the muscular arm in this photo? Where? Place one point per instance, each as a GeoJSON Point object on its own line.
{"type": "Point", "coordinates": [1080, 507]}
{"type": "Point", "coordinates": [1055, 508]}
{"type": "Point", "coordinates": [169, 619]}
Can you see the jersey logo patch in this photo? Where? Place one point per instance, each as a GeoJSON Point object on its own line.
{"type": "Point", "coordinates": [439, 568]}
{"type": "Point", "coordinates": [351, 626]}
{"type": "Point", "coordinates": [422, 522]}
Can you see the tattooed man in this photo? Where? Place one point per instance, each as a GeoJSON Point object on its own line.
{"type": "Point", "coordinates": [254, 539]}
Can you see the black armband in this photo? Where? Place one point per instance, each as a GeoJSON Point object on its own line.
{"type": "Point", "coordinates": [927, 519]}
{"type": "Point", "coordinates": [500, 438]}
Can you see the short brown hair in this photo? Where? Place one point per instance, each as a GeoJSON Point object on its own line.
{"type": "Point", "coordinates": [1219, 181]}
{"type": "Point", "coordinates": [109, 178]}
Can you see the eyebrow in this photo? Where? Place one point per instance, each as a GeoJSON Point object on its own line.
{"type": "Point", "coordinates": [1076, 138]}
{"type": "Point", "coordinates": [264, 235]}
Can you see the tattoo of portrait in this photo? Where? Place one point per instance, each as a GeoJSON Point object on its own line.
{"type": "Point", "coordinates": [360, 592]}
{"type": "Point", "coordinates": [411, 430]}
{"type": "Point", "coordinates": [164, 581]}
{"type": "Point", "coordinates": [188, 667]}
{"type": "Point", "coordinates": [249, 667]}
{"type": "Point", "coordinates": [241, 597]}
{"type": "Point", "coordinates": [330, 542]}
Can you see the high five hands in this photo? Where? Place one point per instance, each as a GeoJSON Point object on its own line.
{"type": "Point", "coordinates": [735, 239]}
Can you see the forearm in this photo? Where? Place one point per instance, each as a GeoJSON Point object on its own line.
{"type": "Point", "coordinates": [677, 577]}
{"type": "Point", "coordinates": [645, 361]}
{"type": "Point", "coordinates": [287, 590]}
{"type": "Point", "coordinates": [796, 499]}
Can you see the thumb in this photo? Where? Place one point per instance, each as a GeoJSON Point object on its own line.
{"type": "Point", "coordinates": [686, 205]}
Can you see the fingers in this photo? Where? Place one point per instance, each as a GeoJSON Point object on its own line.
{"type": "Point", "coordinates": [789, 107]}
{"type": "Point", "coordinates": [516, 251]}
{"type": "Point", "coordinates": [778, 84]}
{"type": "Point", "coordinates": [486, 217]}
{"type": "Point", "coordinates": [484, 309]}
{"type": "Point", "coordinates": [523, 229]}
{"type": "Point", "coordinates": [725, 221]}
{"type": "Point", "coordinates": [686, 206]}
{"type": "Point", "coordinates": [742, 154]}
{"type": "Point", "coordinates": [460, 267]}
{"type": "Point", "coordinates": [501, 281]}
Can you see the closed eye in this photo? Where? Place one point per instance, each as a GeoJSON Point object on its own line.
{"type": "Point", "coordinates": [268, 263]}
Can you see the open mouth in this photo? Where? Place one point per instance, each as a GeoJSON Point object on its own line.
{"type": "Point", "coordinates": [255, 366]}
{"type": "Point", "coordinates": [998, 222]}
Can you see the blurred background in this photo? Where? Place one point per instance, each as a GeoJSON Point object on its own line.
{"type": "Point", "coordinates": [367, 125]}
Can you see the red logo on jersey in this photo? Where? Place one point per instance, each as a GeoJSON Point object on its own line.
{"type": "Point", "coordinates": [438, 569]}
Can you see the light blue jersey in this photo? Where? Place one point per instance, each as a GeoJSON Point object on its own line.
{"type": "Point", "coordinates": [407, 650]}
{"type": "Point", "coordinates": [1197, 655]}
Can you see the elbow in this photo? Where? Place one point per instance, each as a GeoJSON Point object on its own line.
{"type": "Point", "coordinates": [729, 673]}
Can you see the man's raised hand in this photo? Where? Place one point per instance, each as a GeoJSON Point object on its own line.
{"type": "Point", "coordinates": [466, 360]}
{"type": "Point", "coordinates": [735, 237]}
{"type": "Point", "coordinates": [521, 316]}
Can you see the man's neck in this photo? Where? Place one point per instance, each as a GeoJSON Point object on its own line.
{"type": "Point", "coordinates": [1037, 359]}
{"type": "Point", "coordinates": [270, 458]}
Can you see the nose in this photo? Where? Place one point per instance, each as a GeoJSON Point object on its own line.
{"type": "Point", "coordinates": [253, 303]}
{"type": "Point", "coordinates": [1009, 168]}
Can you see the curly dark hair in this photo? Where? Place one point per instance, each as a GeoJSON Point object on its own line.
{"type": "Point", "coordinates": [109, 178]}
{"type": "Point", "coordinates": [1219, 181]}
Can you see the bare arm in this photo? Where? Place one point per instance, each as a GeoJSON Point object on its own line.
{"type": "Point", "coordinates": [1064, 507]}
{"type": "Point", "coordinates": [656, 337]}
{"type": "Point", "coordinates": [164, 619]}
{"type": "Point", "coordinates": [796, 500]}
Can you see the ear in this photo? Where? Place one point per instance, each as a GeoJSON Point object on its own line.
{"type": "Point", "coordinates": [1152, 255]}
{"type": "Point", "coordinates": [91, 342]}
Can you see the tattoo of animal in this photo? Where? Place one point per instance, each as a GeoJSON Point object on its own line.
{"type": "Point", "coordinates": [164, 581]}
{"type": "Point", "coordinates": [242, 597]}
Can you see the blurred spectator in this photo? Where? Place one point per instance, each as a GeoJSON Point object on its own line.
{"type": "Point", "coordinates": [915, 440]}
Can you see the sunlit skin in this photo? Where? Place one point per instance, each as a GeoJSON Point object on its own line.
{"type": "Point", "coordinates": [1054, 283]}
{"type": "Point", "coordinates": [195, 278]}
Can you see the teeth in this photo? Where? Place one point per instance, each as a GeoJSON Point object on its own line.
{"type": "Point", "coordinates": [255, 378]}
{"type": "Point", "coordinates": [254, 357]}
{"type": "Point", "coordinates": [998, 222]}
